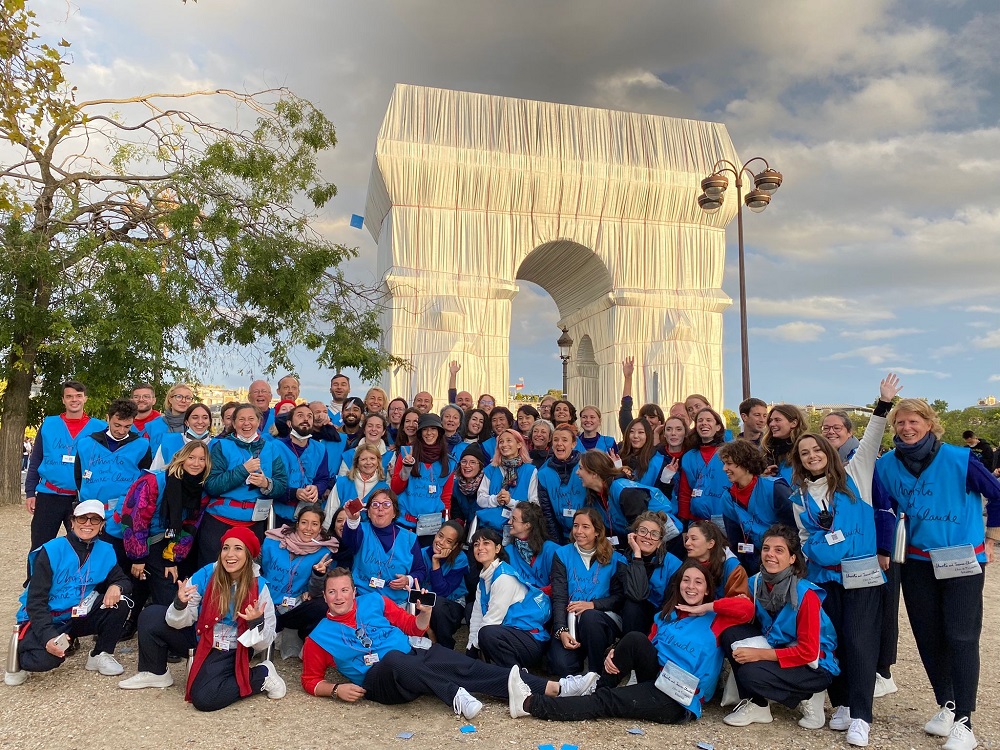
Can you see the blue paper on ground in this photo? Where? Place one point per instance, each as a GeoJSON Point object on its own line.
{"type": "Point", "coordinates": [546, 747]}
{"type": "Point", "coordinates": [635, 730]}
{"type": "Point", "coordinates": [357, 221]}
{"type": "Point", "coordinates": [467, 729]}
{"type": "Point", "coordinates": [570, 747]}
{"type": "Point", "coordinates": [404, 735]}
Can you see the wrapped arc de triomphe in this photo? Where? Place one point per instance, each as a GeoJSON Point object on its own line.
{"type": "Point", "coordinates": [470, 193]}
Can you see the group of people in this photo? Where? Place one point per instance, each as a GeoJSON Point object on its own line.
{"type": "Point", "coordinates": [369, 532]}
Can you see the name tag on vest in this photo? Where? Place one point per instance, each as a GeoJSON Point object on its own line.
{"type": "Point", "coordinates": [677, 683]}
{"type": "Point", "coordinates": [428, 523]}
{"type": "Point", "coordinates": [955, 562]}
{"type": "Point", "coordinates": [260, 509]}
{"type": "Point", "coordinates": [83, 608]}
{"type": "Point", "coordinates": [861, 573]}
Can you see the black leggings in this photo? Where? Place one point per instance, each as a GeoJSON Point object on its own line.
{"type": "Point", "coordinates": [642, 701]}
{"type": "Point", "coordinates": [856, 615]}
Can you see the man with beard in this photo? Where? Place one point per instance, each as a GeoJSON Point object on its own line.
{"type": "Point", "coordinates": [340, 389]}
{"type": "Point", "coordinates": [462, 399]}
{"type": "Point", "coordinates": [306, 461]}
{"type": "Point", "coordinates": [351, 413]}
{"type": "Point", "coordinates": [144, 396]}
{"type": "Point", "coordinates": [260, 396]}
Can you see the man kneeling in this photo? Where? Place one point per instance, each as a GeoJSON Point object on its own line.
{"type": "Point", "coordinates": [366, 639]}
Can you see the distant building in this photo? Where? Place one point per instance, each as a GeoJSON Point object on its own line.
{"type": "Point", "coordinates": [989, 402]}
{"type": "Point", "coordinates": [214, 396]}
{"type": "Point", "coordinates": [861, 411]}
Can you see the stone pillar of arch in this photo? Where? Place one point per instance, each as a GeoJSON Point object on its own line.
{"type": "Point", "coordinates": [470, 193]}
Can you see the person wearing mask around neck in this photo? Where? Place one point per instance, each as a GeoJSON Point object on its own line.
{"type": "Point", "coordinates": [49, 486]}
{"type": "Point", "coordinates": [587, 597]}
{"type": "Point", "coordinates": [247, 475]}
{"type": "Point", "coordinates": [63, 601]}
{"type": "Point", "coordinates": [702, 485]}
{"type": "Point", "coordinates": [530, 551]}
{"type": "Point", "coordinates": [645, 580]}
{"type": "Point", "coordinates": [510, 478]}
{"type": "Point", "coordinates": [159, 518]}
{"type": "Point", "coordinates": [197, 426]}
{"type": "Point", "coordinates": [305, 463]}
{"type": "Point", "coordinates": [387, 558]}
{"type": "Point", "coordinates": [785, 423]}
{"type": "Point", "coordinates": [859, 458]}
{"type": "Point", "coordinates": [837, 528]}
{"type": "Point", "coordinates": [224, 612]}
{"type": "Point", "coordinates": [366, 639]}
{"type": "Point", "coordinates": [447, 570]}
{"type": "Point", "coordinates": [590, 438]}
{"type": "Point", "coordinates": [753, 415]}
{"type": "Point", "coordinates": [788, 654]}
{"type": "Point", "coordinates": [754, 502]}
{"type": "Point", "coordinates": [340, 389]}
{"type": "Point", "coordinates": [364, 477]}
{"type": "Point", "coordinates": [941, 489]}
{"type": "Point", "coordinates": [507, 625]}
{"type": "Point", "coordinates": [351, 415]}
{"type": "Point", "coordinates": [144, 396]}
{"type": "Point", "coordinates": [423, 481]}
{"type": "Point", "coordinates": [560, 490]}
{"type": "Point", "coordinates": [684, 641]}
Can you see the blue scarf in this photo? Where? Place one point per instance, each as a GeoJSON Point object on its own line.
{"type": "Point", "coordinates": [918, 456]}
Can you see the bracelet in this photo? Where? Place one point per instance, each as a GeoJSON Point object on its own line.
{"type": "Point", "coordinates": [336, 687]}
{"type": "Point", "coordinates": [560, 631]}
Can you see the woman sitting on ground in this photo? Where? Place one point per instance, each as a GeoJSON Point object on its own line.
{"type": "Point", "coordinates": [447, 568]}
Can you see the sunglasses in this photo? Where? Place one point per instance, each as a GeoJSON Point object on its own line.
{"type": "Point", "coordinates": [90, 520]}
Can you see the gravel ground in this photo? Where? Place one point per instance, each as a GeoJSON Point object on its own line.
{"type": "Point", "coordinates": [48, 710]}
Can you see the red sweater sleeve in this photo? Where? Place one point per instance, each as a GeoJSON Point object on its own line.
{"type": "Point", "coordinates": [684, 497]}
{"type": "Point", "coordinates": [806, 648]}
{"type": "Point", "coordinates": [399, 617]}
{"type": "Point", "coordinates": [397, 483]}
{"type": "Point", "coordinates": [446, 492]}
{"type": "Point", "coordinates": [315, 663]}
{"type": "Point", "coordinates": [730, 611]}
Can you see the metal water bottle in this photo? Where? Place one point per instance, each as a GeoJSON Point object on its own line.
{"type": "Point", "coordinates": [13, 665]}
{"type": "Point", "coordinates": [900, 540]}
{"type": "Point", "coordinates": [190, 661]}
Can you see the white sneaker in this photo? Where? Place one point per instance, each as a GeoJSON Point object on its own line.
{"type": "Point", "coordinates": [961, 737]}
{"type": "Point", "coordinates": [466, 704]}
{"type": "Point", "coordinates": [274, 686]}
{"type": "Point", "coordinates": [857, 735]}
{"type": "Point", "coordinates": [517, 692]}
{"type": "Point", "coordinates": [147, 680]}
{"type": "Point", "coordinates": [812, 711]}
{"type": "Point", "coordinates": [747, 713]}
{"type": "Point", "coordinates": [841, 719]}
{"type": "Point", "coordinates": [15, 678]}
{"type": "Point", "coordinates": [884, 685]}
{"type": "Point", "coordinates": [105, 664]}
{"type": "Point", "coordinates": [943, 721]}
{"type": "Point", "coordinates": [578, 684]}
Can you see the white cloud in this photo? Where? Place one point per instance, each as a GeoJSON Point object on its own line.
{"type": "Point", "coordinates": [989, 341]}
{"type": "Point", "coordinates": [818, 308]}
{"type": "Point", "coordinates": [797, 331]}
{"type": "Point", "coordinates": [873, 355]}
{"type": "Point", "coordinates": [911, 371]}
{"type": "Point", "coordinates": [875, 334]}
{"type": "Point", "coordinates": [994, 379]}
{"type": "Point", "coordinates": [983, 309]}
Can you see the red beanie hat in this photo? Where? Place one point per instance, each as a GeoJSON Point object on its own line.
{"type": "Point", "coordinates": [277, 406]}
{"type": "Point", "coordinates": [243, 534]}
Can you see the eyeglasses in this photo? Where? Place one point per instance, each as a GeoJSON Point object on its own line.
{"type": "Point", "coordinates": [179, 397]}
{"type": "Point", "coordinates": [380, 504]}
{"type": "Point", "coordinates": [362, 636]}
{"type": "Point", "coordinates": [487, 403]}
{"type": "Point", "coordinates": [90, 520]}
{"type": "Point", "coordinates": [643, 531]}
{"type": "Point", "coordinates": [832, 428]}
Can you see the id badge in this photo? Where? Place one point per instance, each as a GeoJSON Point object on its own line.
{"type": "Point", "coordinates": [83, 608]}
{"type": "Point", "coordinates": [744, 548]}
{"type": "Point", "coordinates": [219, 643]}
{"type": "Point", "coordinates": [834, 537]}
{"type": "Point", "coordinates": [613, 540]}
{"type": "Point", "coordinates": [260, 509]}
{"type": "Point", "coordinates": [432, 489]}
{"type": "Point", "coordinates": [506, 512]}
{"type": "Point", "coordinates": [371, 659]}
{"type": "Point", "coordinates": [291, 601]}
{"type": "Point", "coordinates": [679, 684]}
{"type": "Point", "coordinates": [87, 474]}
{"type": "Point", "coordinates": [955, 562]}
{"type": "Point", "coordinates": [568, 512]}
{"type": "Point", "coordinates": [68, 459]}
{"type": "Point", "coordinates": [428, 523]}
{"type": "Point", "coordinates": [695, 493]}
{"type": "Point", "coordinates": [376, 583]}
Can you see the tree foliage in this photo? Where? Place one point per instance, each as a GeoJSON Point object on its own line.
{"type": "Point", "coordinates": [140, 237]}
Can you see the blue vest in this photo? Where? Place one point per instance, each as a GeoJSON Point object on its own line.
{"type": "Point", "coordinates": [170, 443]}
{"type": "Point", "coordinates": [657, 502]}
{"type": "Point", "coordinates": [539, 571]}
{"type": "Point", "coordinates": [489, 446]}
{"type": "Point", "coordinates": [587, 585]}
{"type": "Point", "coordinates": [730, 565]}
{"type": "Point", "coordinates": [334, 455]}
{"type": "Point", "coordinates": [108, 475]}
{"type": "Point", "coordinates": [572, 495]}
{"type": "Point", "coordinates": [461, 562]}
{"type": "Point", "coordinates": [301, 472]}
{"type": "Point", "coordinates": [605, 444]}
{"type": "Point", "coordinates": [710, 479]}
{"type": "Point", "coordinates": [530, 614]}
{"type": "Point", "coordinates": [750, 524]}
{"type": "Point", "coordinates": [287, 572]}
{"type": "Point", "coordinates": [940, 511]}
{"type": "Point", "coordinates": [660, 579]}
{"type": "Point", "coordinates": [347, 490]}
{"type": "Point", "coordinates": [423, 493]}
{"type": "Point", "coordinates": [855, 519]}
{"type": "Point", "coordinates": [344, 643]}
{"type": "Point", "coordinates": [493, 517]}
{"type": "Point", "coordinates": [690, 644]}
{"type": "Point", "coordinates": [237, 504]}
{"type": "Point", "coordinates": [155, 431]}
{"type": "Point", "coordinates": [371, 561]}
{"type": "Point", "coordinates": [56, 443]}
{"type": "Point", "coordinates": [780, 631]}
{"type": "Point", "coordinates": [653, 471]}
{"type": "Point", "coordinates": [71, 583]}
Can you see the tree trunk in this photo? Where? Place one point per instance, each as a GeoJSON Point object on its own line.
{"type": "Point", "coordinates": [13, 420]}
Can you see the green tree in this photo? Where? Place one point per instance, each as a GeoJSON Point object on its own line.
{"type": "Point", "coordinates": [139, 236]}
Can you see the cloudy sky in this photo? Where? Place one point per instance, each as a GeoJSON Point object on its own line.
{"type": "Point", "coordinates": [879, 252]}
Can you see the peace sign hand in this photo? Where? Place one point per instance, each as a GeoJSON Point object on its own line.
{"type": "Point", "coordinates": [320, 567]}
{"type": "Point", "coordinates": [185, 592]}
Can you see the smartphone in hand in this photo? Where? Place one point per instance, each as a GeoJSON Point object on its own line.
{"type": "Point", "coordinates": [427, 598]}
{"type": "Point", "coordinates": [354, 506]}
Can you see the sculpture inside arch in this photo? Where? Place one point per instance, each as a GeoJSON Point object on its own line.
{"type": "Point", "coordinates": [470, 193]}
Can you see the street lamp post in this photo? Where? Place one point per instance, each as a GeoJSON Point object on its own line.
{"type": "Point", "coordinates": [565, 344]}
{"type": "Point", "coordinates": [711, 200]}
